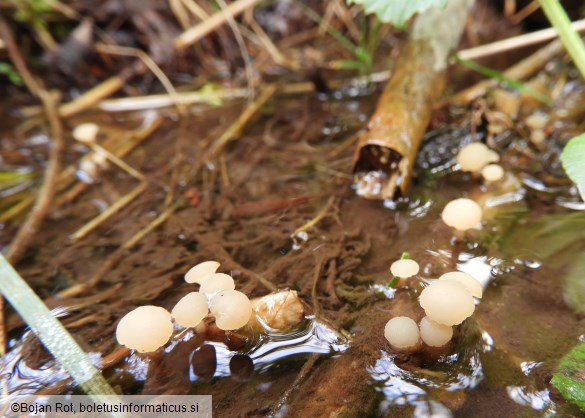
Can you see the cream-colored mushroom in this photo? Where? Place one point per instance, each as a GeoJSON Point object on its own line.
{"type": "Point", "coordinates": [462, 214]}
{"type": "Point", "coordinates": [434, 334]}
{"type": "Point", "coordinates": [231, 309]}
{"type": "Point", "coordinates": [216, 283]}
{"type": "Point", "coordinates": [145, 329]}
{"type": "Point", "coordinates": [86, 132]}
{"type": "Point", "coordinates": [191, 309]}
{"type": "Point", "coordinates": [492, 172]}
{"type": "Point", "coordinates": [201, 271]}
{"type": "Point", "coordinates": [402, 332]}
{"type": "Point", "coordinates": [404, 268]}
{"type": "Point", "coordinates": [447, 302]}
{"type": "Point", "coordinates": [475, 156]}
{"type": "Point", "coordinates": [471, 284]}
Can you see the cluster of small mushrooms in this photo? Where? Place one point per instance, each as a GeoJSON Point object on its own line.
{"type": "Point", "coordinates": [147, 328]}
{"type": "Point", "coordinates": [450, 299]}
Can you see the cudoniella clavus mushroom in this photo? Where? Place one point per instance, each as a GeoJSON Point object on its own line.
{"type": "Point", "coordinates": [462, 214]}
{"type": "Point", "coordinates": [447, 302]}
{"type": "Point", "coordinates": [145, 329]}
{"type": "Point", "coordinates": [402, 332]}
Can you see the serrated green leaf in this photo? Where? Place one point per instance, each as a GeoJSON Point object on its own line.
{"type": "Point", "coordinates": [569, 378]}
{"type": "Point", "coordinates": [397, 12]}
{"type": "Point", "coordinates": [573, 160]}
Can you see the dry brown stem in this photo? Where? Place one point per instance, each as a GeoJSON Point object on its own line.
{"type": "Point", "coordinates": [385, 153]}
{"type": "Point", "coordinates": [40, 209]}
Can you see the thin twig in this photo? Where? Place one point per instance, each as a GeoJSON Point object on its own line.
{"type": "Point", "coordinates": [100, 92]}
{"type": "Point", "coordinates": [274, 411]}
{"type": "Point", "coordinates": [99, 150]}
{"type": "Point", "coordinates": [519, 71]}
{"type": "Point", "coordinates": [152, 66]}
{"type": "Point", "coordinates": [107, 214]}
{"type": "Point", "coordinates": [236, 128]}
{"type": "Point", "coordinates": [30, 227]}
{"type": "Point", "coordinates": [316, 219]}
{"type": "Point", "coordinates": [516, 42]}
{"type": "Point", "coordinates": [242, 46]}
{"type": "Point", "coordinates": [192, 35]}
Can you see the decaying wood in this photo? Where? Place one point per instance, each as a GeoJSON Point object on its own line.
{"type": "Point", "coordinates": [386, 152]}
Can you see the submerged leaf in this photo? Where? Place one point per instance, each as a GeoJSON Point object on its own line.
{"type": "Point", "coordinates": [569, 378]}
{"type": "Point", "coordinates": [574, 289]}
{"type": "Point", "coordinates": [549, 235]}
{"type": "Point", "coordinates": [397, 12]}
{"type": "Point", "coordinates": [573, 159]}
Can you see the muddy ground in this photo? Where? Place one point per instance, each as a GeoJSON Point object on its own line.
{"type": "Point", "coordinates": [290, 166]}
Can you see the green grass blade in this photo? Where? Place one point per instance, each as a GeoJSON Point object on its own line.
{"type": "Point", "coordinates": [51, 332]}
{"type": "Point", "coordinates": [496, 75]}
{"type": "Point", "coordinates": [573, 160]}
{"type": "Point", "coordinates": [571, 40]}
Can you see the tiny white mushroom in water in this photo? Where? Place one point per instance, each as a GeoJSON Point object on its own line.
{"type": "Point", "coordinates": [201, 271]}
{"type": "Point", "coordinates": [435, 334]}
{"type": "Point", "coordinates": [191, 309]}
{"type": "Point", "coordinates": [492, 172]}
{"type": "Point", "coordinates": [447, 302]}
{"type": "Point", "coordinates": [216, 283]}
{"type": "Point", "coordinates": [404, 268]}
{"type": "Point", "coordinates": [231, 309]}
{"type": "Point", "coordinates": [462, 214]}
{"type": "Point", "coordinates": [475, 156]}
{"type": "Point", "coordinates": [145, 329]}
{"type": "Point", "coordinates": [471, 284]}
{"type": "Point", "coordinates": [402, 332]}
{"type": "Point", "coordinates": [86, 132]}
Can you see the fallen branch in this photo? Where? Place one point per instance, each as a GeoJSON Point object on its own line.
{"type": "Point", "coordinates": [385, 153]}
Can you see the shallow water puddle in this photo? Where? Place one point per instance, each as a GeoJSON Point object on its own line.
{"type": "Point", "coordinates": [242, 210]}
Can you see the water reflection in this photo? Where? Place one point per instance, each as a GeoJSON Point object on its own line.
{"type": "Point", "coordinates": [215, 359]}
{"type": "Point", "coordinates": [539, 400]}
{"type": "Point", "coordinates": [401, 387]}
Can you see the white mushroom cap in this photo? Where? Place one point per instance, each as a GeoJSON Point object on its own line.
{"type": "Point", "coordinates": [201, 271]}
{"type": "Point", "coordinates": [492, 172]}
{"type": "Point", "coordinates": [231, 309]}
{"type": "Point", "coordinates": [86, 132]}
{"type": "Point", "coordinates": [402, 332]}
{"type": "Point", "coordinates": [191, 309]}
{"type": "Point", "coordinates": [145, 329]}
{"type": "Point", "coordinates": [404, 268]}
{"type": "Point", "coordinates": [537, 120]}
{"type": "Point", "coordinates": [471, 284]}
{"type": "Point", "coordinates": [447, 302]}
{"type": "Point", "coordinates": [462, 214]}
{"type": "Point", "coordinates": [216, 283]}
{"type": "Point", "coordinates": [435, 334]}
{"type": "Point", "coordinates": [473, 157]}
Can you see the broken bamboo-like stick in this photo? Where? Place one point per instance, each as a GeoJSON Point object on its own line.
{"type": "Point", "coordinates": [385, 153]}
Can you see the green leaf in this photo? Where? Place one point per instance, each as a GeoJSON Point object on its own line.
{"type": "Point", "coordinates": [397, 12]}
{"type": "Point", "coordinates": [573, 160]}
{"type": "Point", "coordinates": [13, 178]}
{"type": "Point", "coordinates": [574, 288]}
{"type": "Point", "coordinates": [52, 333]}
{"type": "Point", "coordinates": [569, 378]}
